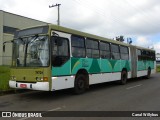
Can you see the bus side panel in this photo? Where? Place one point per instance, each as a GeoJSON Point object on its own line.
{"type": "Point", "coordinates": [63, 82]}
{"type": "Point", "coordinates": [126, 64]}
{"type": "Point", "coordinates": [91, 65]}
{"type": "Point", "coordinates": [150, 64]}
{"type": "Point", "coordinates": [104, 77]}
{"type": "Point", "coordinates": [63, 70]}
{"type": "Point", "coordinates": [116, 65]}
{"type": "Point", "coordinates": [154, 69]}
{"type": "Point", "coordinates": [141, 65]}
{"type": "Point", "coordinates": [106, 66]}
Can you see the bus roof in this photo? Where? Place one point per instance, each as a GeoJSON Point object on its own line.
{"type": "Point", "coordinates": [79, 33]}
{"type": "Point", "coordinates": [76, 32]}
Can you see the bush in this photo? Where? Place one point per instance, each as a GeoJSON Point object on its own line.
{"type": "Point", "coordinates": [4, 78]}
{"type": "Point", "coordinates": [158, 68]}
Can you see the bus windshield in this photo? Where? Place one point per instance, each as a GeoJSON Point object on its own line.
{"type": "Point", "coordinates": [31, 51]}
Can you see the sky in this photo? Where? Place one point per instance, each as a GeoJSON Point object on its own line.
{"type": "Point", "coordinates": [136, 19]}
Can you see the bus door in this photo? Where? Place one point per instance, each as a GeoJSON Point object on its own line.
{"type": "Point", "coordinates": [60, 56]}
{"type": "Point", "coordinates": [133, 61]}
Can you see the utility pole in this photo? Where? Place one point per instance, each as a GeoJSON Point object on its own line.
{"type": "Point", "coordinates": [58, 21]}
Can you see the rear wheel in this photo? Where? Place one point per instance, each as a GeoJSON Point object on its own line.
{"type": "Point", "coordinates": [80, 84]}
{"type": "Point", "coordinates": [148, 73]}
{"type": "Point", "coordinates": [123, 80]}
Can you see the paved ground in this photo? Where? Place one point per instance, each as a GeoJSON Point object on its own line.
{"type": "Point", "coordinates": [137, 95]}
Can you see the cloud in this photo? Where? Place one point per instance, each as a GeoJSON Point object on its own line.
{"type": "Point", "coordinates": [36, 9]}
{"type": "Point", "coordinates": [107, 18]}
{"type": "Point", "coordinates": [143, 41]}
{"type": "Point", "coordinates": [147, 42]}
{"type": "Point", "coordinates": [112, 18]}
{"type": "Point", "coordinates": [157, 47]}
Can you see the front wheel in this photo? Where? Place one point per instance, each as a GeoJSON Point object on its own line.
{"type": "Point", "coordinates": [80, 84]}
{"type": "Point", "coordinates": [123, 80]}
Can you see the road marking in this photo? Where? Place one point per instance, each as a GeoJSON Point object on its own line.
{"type": "Point", "coordinates": [54, 109]}
{"type": "Point", "coordinates": [134, 86]}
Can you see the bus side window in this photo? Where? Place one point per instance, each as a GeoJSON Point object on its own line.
{"type": "Point", "coordinates": [115, 51]}
{"type": "Point", "coordinates": [78, 46]}
{"type": "Point", "coordinates": [92, 48]}
{"type": "Point", "coordinates": [153, 56]}
{"type": "Point", "coordinates": [124, 53]}
{"type": "Point", "coordinates": [105, 50]}
{"type": "Point", "coordinates": [139, 54]}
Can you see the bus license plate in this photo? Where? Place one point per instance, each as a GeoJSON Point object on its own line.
{"type": "Point", "coordinates": [23, 86]}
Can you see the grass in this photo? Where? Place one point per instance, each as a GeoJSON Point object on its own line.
{"type": "Point", "coordinates": [158, 69]}
{"type": "Point", "coordinates": [4, 78]}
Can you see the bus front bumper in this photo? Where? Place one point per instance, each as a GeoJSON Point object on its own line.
{"type": "Point", "coordinates": [43, 86]}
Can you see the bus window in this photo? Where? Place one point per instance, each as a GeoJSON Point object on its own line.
{"type": "Point", "coordinates": [147, 55]}
{"type": "Point", "coordinates": [153, 56]}
{"type": "Point", "coordinates": [105, 50]}
{"type": "Point", "coordinates": [92, 48]}
{"type": "Point", "coordinates": [124, 53]}
{"type": "Point", "coordinates": [139, 52]}
{"type": "Point", "coordinates": [78, 46]}
{"type": "Point", "coordinates": [60, 51]}
{"type": "Point", "coordinates": [115, 51]}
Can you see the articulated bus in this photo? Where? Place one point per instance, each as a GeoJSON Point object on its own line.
{"type": "Point", "coordinates": [52, 57]}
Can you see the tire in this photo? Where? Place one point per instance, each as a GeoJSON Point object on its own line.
{"type": "Point", "coordinates": [80, 84]}
{"type": "Point", "coordinates": [123, 80]}
{"type": "Point", "coordinates": [148, 73]}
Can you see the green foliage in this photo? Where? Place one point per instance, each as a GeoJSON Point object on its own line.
{"type": "Point", "coordinates": [158, 68]}
{"type": "Point", "coordinates": [4, 78]}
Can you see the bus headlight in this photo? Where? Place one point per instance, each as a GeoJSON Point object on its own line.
{"type": "Point", "coordinates": [39, 78]}
{"type": "Point", "coordinates": [42, 78]}
{"type": "Point", "coordinates": [13, 78]}
{"type": "Point", "coordinates": [45, 78]}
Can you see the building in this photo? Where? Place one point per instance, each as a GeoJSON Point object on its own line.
{"type": "Point", "coordinates": [158, 58]}
{"type": "Point", "coordinates": [9, 23]}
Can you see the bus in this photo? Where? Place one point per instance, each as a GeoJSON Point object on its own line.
{"type": "Point", "coordinates": [52, 57]}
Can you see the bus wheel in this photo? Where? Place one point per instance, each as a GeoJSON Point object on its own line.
{"type": "Point", "coordinates": [80, 84]}
{"type": "Point", "coordinates": [148, 73]}
{"type": "Point", "coordinates": [123, 80]}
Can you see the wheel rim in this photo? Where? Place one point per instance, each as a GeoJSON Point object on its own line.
{"type": "Point", "coordinates": [124, 77]}
{"type": "Point", "coordinates": [149, 73]}
{"type": "Point", "coordinates": [81, 84]}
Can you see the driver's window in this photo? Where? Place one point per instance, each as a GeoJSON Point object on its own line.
{"type": "Point", "coordinates": [60, 51]}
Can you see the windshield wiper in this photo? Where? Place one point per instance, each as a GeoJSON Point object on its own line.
{"type": "Point", "coordinates": [25, 59]}
{"type": "Point", "coordinates": [34, 39]}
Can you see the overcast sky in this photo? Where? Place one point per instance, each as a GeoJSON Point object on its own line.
{"type": "Point", "coordinates": [138, 19]}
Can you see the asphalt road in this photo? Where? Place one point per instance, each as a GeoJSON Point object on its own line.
{"type": "Point", "coordinates": [138, 94]}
